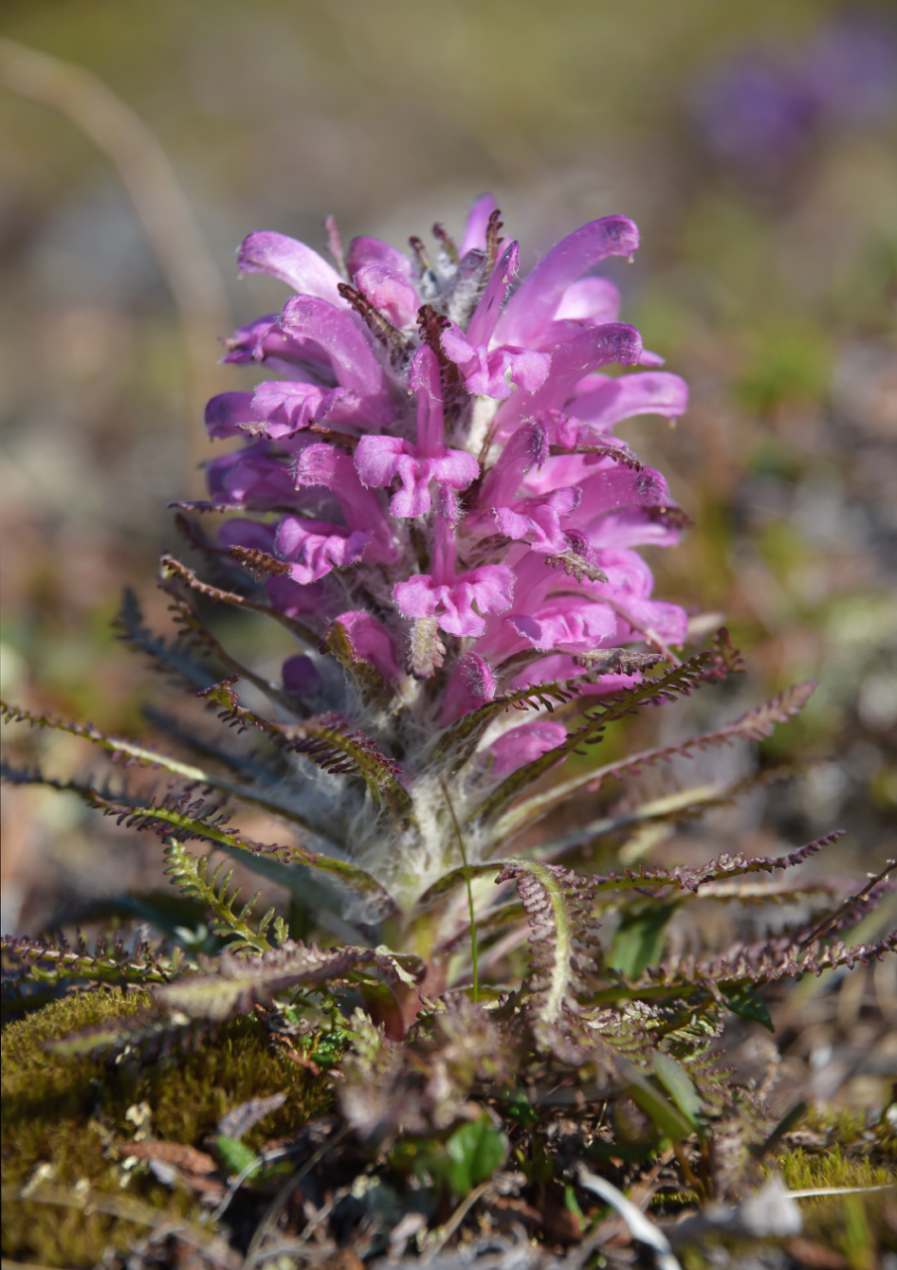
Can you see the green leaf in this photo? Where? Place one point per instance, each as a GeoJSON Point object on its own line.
{"type": "Point", "coordinates": [638, 941]}
{"type": "Point", "coordinates": [667, 1118]}
{"type": "Point", "coordinates": [678, 1084]}
{"type": "Point", "coordinates": [519, 1108]}
{"type": "Point", "coordinates": [475, 1151]}
{"type": "Point", "coordinates": [235, 1155]}
{"type": "Point", "coordinates": [744, 1000]}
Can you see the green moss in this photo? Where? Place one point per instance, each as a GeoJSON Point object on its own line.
{"type": "Point", "coordinates": [63, 1114]}
{"type": "Point", "coordinates": [804, 1171]}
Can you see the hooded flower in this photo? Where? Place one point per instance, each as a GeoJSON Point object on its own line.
{"type": "Point", "coordinates": [433, 472]}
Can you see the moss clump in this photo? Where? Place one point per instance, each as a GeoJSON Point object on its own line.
{"type": "Point", "coordinates": [60, 1115]}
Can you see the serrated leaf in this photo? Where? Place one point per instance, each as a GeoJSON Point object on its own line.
{"type": "Point", "coordinates": [236, 983]}
{"type": "Point", "coordinates": [170, 566]}
{"type": "Point", "coordinates": [745, 1001]}
{"type": "Point", "coordinates": [756, 724]}
{"type": "Point", "coordinates": [714, 664]}
{"type": "Point", "coordinates": [236, 1156]}
{"type": "Point", "coordinates": [329, 742]}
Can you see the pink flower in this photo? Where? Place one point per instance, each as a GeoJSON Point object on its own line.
{"type": "Point", "coordinates": [458, 605]}
{"type": "Point", "coordinates": [524, 744]}
{"type": "Point", "coordinates": [471, 685]}
{"type": "Point", "coordinates": [370, 640]}
{"type": "Point", "coordinates": [315, 547]}
{"type": "Point", "coordinates": [380, 459]}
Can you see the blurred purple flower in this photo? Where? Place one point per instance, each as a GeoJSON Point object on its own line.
{"type": "Point", "coordinates": [760, 109]}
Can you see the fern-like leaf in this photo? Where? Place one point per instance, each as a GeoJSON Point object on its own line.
{"type": "Point", "coordinates": [194, 631]}
{"type": "Point", "coordinates": [171, 567]}
{"type": "Point", "coordinates": [756, 725]}
{"type": "Point", "coordinates": [459, 742]}
{"type": "Point", "coordinates": [33, 961]}
{"type": "Point", "coordinates": [237, 983]}
{"type": "Point", "coordinates": [191, 820]}
{"type": "Point", "coordinates": [174, 659]}
{"type": "Point", "coordinates": [194, 879]}
{"type": "Point", "coordinates": [563, 942]}
{"type": "Point", "coordinates": [369, 683]}
{"type": "Point", "coordinates": [330, 743]}
{"type": "Point", "coordinates": [714, 664]}
{"type": "Point", "coordinates": [128, 753]}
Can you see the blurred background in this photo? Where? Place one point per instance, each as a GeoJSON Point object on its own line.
{"type": "Point", "coordinates": [756, 147]}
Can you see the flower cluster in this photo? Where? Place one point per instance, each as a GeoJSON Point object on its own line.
{"type": "Point", "coordinates": [434, 468]}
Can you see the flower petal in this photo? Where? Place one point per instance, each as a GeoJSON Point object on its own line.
{"type": "Point", "coordinates": [604, 402]}
{"type": "Point", "coordinates": [524, 744]}
{"type": "Point", "coordinates": [293, 263]}
{"type": "Point", "coordinates": [351, 355]}
{"type": "Point", "coordinates": [471, 685]}
{"type": "Point", "coordinates": [225, 412]}
{"type": "Point", "coordinates": [477, 220]}
{"type": "Point", "coordinates": [389, 292]}
{"type": "Point", "coordinates": [371, 251]}
{"type": "Point", "coordinates": [370, 640]}
{"type": "Point", "coordinates": [594, 300]}
{"type": "Point", "coordinates": [539, 295]}
{"type": "Point", "coordinates": [315, 547]}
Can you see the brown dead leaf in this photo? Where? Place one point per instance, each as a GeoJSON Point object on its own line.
{"type": "Point", "coordinates": [176, 1153]}
{"type": "Point", "coordinates": [561, 1225]}
{"type": "Point", "coordinates": [815, 1256]}
{"type": "Point", "coordinates": [510, 1209]}
{"type": "Point", "coordinates": [345, 1259]}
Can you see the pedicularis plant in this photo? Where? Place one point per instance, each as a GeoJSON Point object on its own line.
{"type": "Point", "coordinates": [433, 494]}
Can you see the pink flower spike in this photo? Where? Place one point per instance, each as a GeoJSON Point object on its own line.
{"type": "Point", "coordinates": [293, 263]}
{"type": "Point", "coordinates": [314, 547]}
{"type": "Point", "coordinates": [536, 301]}
{"type": "Point", "coordinates": [370, 640]}
{"type": "Point", "coordinates": [604, 402]}
{"type": "Point", "coordinates": [477, 220]}
{"type": "Point", "coordinates": [471, 685]}
{"type": "Point", "coordinates": [523, 745]}
{"type": "Point", "coordinates": [490, 588]}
